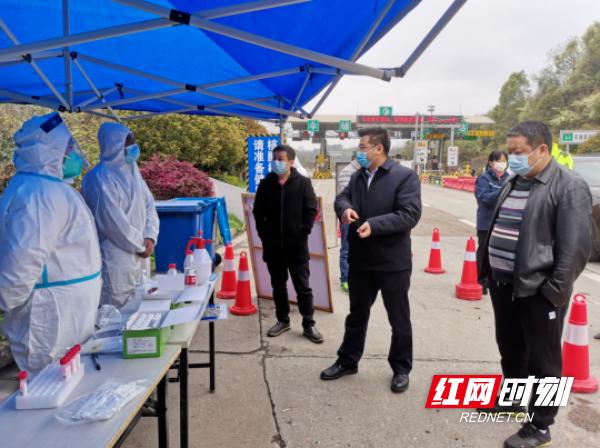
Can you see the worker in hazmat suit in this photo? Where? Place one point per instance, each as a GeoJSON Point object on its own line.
{"type": "Point", "coordinates": [125, 214]}
{"type": "Point", "coordinates": [49, 256]}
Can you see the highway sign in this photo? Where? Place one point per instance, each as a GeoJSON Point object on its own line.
{"type": "Point", "coordinates": [312, 125]}
{"type": "Point", "coordinates": [345, 126]}
{"type": "Point", "coordinates": [385, 111]}
{"type": "Point", "coordinates": [575, 137]}
{"type": "Point", "coordinates": [452, 156]}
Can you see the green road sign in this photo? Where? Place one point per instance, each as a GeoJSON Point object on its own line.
{"type": "Point", "coordinates": [312, 125]}
{"type": "Point", "coordinates": [385, 111]}
{"type": "Point", "coordinates": [464, 128]}
{"type": "Point", "coordinates": [345, 126]}
{"type": "Point", "coordinates": [567, 137]}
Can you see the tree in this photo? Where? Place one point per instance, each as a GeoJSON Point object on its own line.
{"type": "Point", "coordinates": [213, 144]}
{"type": "Point", "coordinates": [513, 96]}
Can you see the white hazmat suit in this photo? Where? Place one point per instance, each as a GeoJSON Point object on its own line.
{"type": "Point", "coordinates": [125, 215]}
{"type": "Point", "coordinates": [49, 255]}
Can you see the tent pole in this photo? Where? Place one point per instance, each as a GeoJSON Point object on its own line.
{"type": "Point", "coordinates": [93, 86]}
{"type": "Point", "coordinates": [18, 97]}
{"type": "Point", "coordinates": [355, 55]}
{"type": "Point", "coordinates": [34, 65]}
{"type": "Point", "coordinates": [430, 37]}
{"type": "Point", "coordinates": [302, 89]}
{"type": "Point", "coordinates": [95, 97]}
{"type": "Point", "coordinates": [198, 21]}
{"type": "Point", "coordinates": [66, 52]}
{"type": "Point", "coordinates": [41, 56]}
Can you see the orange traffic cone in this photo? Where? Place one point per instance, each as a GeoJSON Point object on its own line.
{"type": "Point", "coordinates": [575, 351]}
{"type": "Point", "coordinates": [243, 298]}
{"type": "Point", "coordinates": [469, 288]}
{"type": "Point", "coordinates": [435, 254]}
{"type": "Point", "coordinates": [229, 281]}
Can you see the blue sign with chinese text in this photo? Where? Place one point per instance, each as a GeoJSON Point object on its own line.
{"type": "Point", "coordinates": [260, 154]}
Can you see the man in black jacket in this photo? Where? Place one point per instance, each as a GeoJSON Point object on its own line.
{"type": "Point", "coordinates": [539, 242]}
{"type": "Point", "coordinates": [284, 210]}
{"type": "Point", "coordinates": [382, 203]}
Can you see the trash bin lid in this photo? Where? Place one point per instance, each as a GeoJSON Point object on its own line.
{"type": "Point", "coordinates": [176, 206]}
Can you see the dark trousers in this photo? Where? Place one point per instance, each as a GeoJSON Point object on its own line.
{"type": "Point", "coordinates": [364, 286]}
{"type": "Point", "coordinates": [344, 250]}
{"type": "Point", "coordinates": [528, 333]}
{"type": "Point", "coordinates": [300, 273]}
{"type": "Point", "coordinates": [481, 236]}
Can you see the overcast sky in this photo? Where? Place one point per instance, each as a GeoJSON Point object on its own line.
{"type": "Point", "coordinates": [463, 70]}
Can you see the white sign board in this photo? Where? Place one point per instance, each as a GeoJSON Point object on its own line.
{"type": "Point", "coordinates": [421, 151]}
{"type": "Point", "coordinates": [319, 262]}
{"type": "Point", "coordinates": [452, 156]}
{"type": "Point", "coordinates": [575, 137]}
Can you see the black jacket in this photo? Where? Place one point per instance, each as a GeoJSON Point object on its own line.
{"type": "Point", "coordinates": [285, 215]}
{"type": "Point", "coordinates": [392, 205]}
{"type": "Point", "coordinates": [555, 238]}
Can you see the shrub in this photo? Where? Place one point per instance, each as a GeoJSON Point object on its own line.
{"type": "Point", "coordinates": [170, 178]}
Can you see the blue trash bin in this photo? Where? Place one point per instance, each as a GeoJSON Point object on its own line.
{"type": "Point", "coordinates": [179, 221]}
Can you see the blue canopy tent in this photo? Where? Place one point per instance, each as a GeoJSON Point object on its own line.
{"type": "Point", "coordinates": [262, 59]}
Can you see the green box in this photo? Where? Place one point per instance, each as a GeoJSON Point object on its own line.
{"type": "Point", "coordinates": [147, 343]}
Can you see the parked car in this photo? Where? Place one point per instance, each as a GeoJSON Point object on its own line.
{"type": "Point", "coordinates": [588, 167]}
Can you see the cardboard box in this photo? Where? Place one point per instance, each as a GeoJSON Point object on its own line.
{"type": "Point", "coordinates": [147, 333]}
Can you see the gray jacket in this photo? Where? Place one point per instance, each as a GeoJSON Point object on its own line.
{"type": "Point", "coordinates": [555, 238]}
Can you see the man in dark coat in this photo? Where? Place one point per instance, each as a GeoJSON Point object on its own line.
{"type": "Point", "coordinates": [382, 203]}
{"type": "Point", "coordinates": [284, 210]}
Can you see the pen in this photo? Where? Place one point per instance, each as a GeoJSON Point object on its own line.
{"type": "Point", "coordinates": [96, 360]}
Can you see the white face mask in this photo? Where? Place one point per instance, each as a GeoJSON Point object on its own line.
{"type": "Point", "coordinates": [500, 166]}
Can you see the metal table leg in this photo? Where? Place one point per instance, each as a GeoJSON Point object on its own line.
{"type": "Point", "coordinates": [183, 398]}
{"type": "Point", "coordinates": [211, 347]}
{"type": "Point", "coordinates": [163, 424]}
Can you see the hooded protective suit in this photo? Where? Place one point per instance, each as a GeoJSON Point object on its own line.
{"type": "Point", "coordinates": [125, 215]}
{"type": "Point", "coordinates": [49, 255]}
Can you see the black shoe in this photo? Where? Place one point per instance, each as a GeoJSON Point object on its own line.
{"type": "Point", "coordinates": [399, 382]}
{"type": "Point", "coordinates": [597, 336]}
{"type": "Point", "coordinates": [528, 437]}
{"type": "Point", "coordinates": [313, 335]}
{"type": "Point", "coordinates": [512, 408]}
{"type": "Point", "coordinates": [337, 371]}
{"type": "Point", "coordinates": [278, 328]}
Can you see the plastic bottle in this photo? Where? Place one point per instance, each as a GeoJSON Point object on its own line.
{"type": "Point", "coordinates": [172, 269]}
{"type": "Point", "coordinates": [189, 268]}
{"type": "Point", "coordinates": [202, 261]}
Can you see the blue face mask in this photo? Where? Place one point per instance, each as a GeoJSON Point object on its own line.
{"type": "Point", "coordinates": [72, 166]}
{"type": "Point", "coordinates": [362, 159]}
{"type": "Point", "coordinates": [519, 164]}
{"type": "Point", "coordinates": [279, 167]}
{"type": "Point", "coordinates": [132, 153]}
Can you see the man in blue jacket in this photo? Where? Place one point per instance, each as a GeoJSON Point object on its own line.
{"type": "Point", "coordinates": [382, 203]}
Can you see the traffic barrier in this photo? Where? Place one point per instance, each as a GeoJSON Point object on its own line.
{"type": "Point", "coordinates": [243, 298]}
{"type": "Point", "coordinates": [575, 350]}
{"type": "Point", "coordinates": [469, 288]}
{"type": "Point", "coordinates": [435, 255]}
{"type": "Point", "coordinates": [229, 281]}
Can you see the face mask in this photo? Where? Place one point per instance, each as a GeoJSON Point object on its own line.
{"type": "Point", "coordinates": [132, 153]}
{"type": "Point", "coordinates": [499, 166]}
{"type": "Point", "coordinates": [363, 160]}
{"type": "Point", "coordinates": [72, 165]}
{"type": "Point", "coordinates": [520, 163]}
{"type": "Point", "coordinates": [279, 167]}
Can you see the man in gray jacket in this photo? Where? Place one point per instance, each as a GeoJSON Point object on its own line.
{"type": "Point", "coordinates": [540, 240]}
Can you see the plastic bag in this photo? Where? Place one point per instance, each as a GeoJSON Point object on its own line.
{"type": "Point", "coordinates": [108, 318]}
{"type": "Point", "coordinates": [101, 404]}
